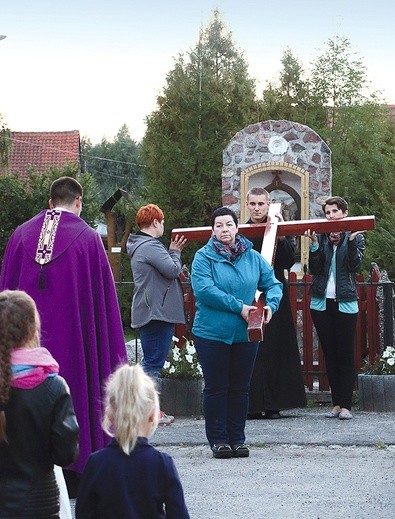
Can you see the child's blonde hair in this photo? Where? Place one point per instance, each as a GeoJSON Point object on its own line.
{"type": "Point", "coordinates": [19, 325]}
{"type": "Point", "coordinates": [131, 401]}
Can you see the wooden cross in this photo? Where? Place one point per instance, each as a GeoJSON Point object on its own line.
{"type": "Point", "coordinates": [271, 231]}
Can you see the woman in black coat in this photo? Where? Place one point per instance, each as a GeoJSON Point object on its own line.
{"type": "Point", "coordinates": [38, 426]}
{"type": "Point", "coordinates": [334, 260]}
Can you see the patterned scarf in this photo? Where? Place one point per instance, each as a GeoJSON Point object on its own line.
{"type": "Point", "coordinates": [335, 237]}
{"type": "Point", "coordinates": [230, 253]}
{"type": "Point", "coordinates": [31, 366]}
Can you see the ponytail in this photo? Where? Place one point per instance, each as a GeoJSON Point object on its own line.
{"type": "Point", "coordinates": [131, 398]}
{"type": "Point", "coordinates": [19, 321]}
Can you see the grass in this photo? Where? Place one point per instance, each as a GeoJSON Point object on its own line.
{"type": "Point", "coordinates": [129, 334]}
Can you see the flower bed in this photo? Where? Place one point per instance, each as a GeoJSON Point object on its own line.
{"type": "Point", "coordinates": [376, 385]}
{"type": "Point", "coordinates": [182, 363]}
{"type": "Point", "coordinates": [181, 381]}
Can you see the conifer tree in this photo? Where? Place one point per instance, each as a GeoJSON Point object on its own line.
{"type": "Point", "coordinates": [208, 97]}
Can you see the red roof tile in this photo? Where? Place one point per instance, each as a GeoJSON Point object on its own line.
{"type": "Point", "coordinates": [41, 150]}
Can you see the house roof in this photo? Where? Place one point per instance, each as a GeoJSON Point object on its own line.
{"type": "Point", "coordinates": [42, 150]}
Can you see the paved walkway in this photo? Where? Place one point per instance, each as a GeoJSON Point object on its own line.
{"type": "Point", "coordinates": [302, 466]}
{"type": "Point", "coordinates": [296, 427]}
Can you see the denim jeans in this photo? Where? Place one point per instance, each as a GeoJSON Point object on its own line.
{"type": "Point", "coordinates": [227, 371]}
{"type": "Point", "coordinates": [155, 339]}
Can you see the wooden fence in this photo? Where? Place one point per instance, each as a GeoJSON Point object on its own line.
{"type": "Point", "coordinates": [368, 342]}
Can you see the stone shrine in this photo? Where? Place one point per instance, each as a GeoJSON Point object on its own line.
{"type": "Point", "coordinates": [289, 160]}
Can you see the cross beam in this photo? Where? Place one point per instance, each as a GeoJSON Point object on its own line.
{"type": "Point", "coordinates": [271, 231]}
{"type": "Point", "coordinates": [292, 228]}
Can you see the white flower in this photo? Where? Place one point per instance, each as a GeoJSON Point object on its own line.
{"type": "Point", "coordinates": [182, 362]}
{"type": "Point", "coordinates": [388, 352]}
{"type": "Point", "coordinates": [190, 348]}
{"type": "Point", "coordinates": [391, 361]}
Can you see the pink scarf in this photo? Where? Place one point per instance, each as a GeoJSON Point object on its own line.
{"type": "Point", "coordinates": [38, 364]}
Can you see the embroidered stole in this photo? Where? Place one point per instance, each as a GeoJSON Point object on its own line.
{"type": "Point", "coordinates": [46, 241]}
{"type": "Point", "coordinates": [47, 236]}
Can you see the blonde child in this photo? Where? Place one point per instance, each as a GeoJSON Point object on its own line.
{"type": "Point", "coordinates": [130, 478]}
{"type": "Point", "coordinates": [38, 426]}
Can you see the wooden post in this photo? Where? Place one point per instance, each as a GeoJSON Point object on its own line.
{"type": "Point", "coordinates": [256, 324]}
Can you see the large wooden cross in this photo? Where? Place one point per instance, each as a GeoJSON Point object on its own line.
{"type": "Point", "coordinates": [271, 231]}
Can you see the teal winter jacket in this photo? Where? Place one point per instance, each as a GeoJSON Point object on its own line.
{"type": "Point", "coordinates": [222, 287]}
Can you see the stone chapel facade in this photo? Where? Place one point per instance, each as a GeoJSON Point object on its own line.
{"type": "Point", "coordinates": [288, 159]}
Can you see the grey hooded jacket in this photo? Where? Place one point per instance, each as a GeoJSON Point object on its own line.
{"type": "Point", "coordinates": [157, 292]}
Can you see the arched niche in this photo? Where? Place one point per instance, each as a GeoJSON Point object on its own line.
{"type": "Point", "coordinates": [287, 184]}
{"type": "Point", "coordinates": [285, 157]}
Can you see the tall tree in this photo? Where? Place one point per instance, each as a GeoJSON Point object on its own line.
{"type": "Point", "coordinates": [291, 96]}
{"type": "Point", "coordinates": [208, 97]}
{"type": "Point", "coordinates": [339, 77]}
{"type": "Point", "coordinates": [5, 142]}
{"type": "Point", "coordinates": [114, 164]}
{"type": "Point", "coordinates": [361, 136]}
{"type": "Point", "coordinates": [335, 101]}
{"type": "Point", "coordinates": [363, 145]}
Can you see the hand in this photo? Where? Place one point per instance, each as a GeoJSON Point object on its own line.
{"type": "Point", "coordinates": [280, 218]}
{"type": "Point", "coordinates": [354, 234]}
{"type": "Point", "coordinates": [312, 236]}
{"type": "Point", "coordinates": [245, 313]}
{"type": "Point", "coordinates": [178, 243]}
{"type": "Point", "coordinates": [267, 314]}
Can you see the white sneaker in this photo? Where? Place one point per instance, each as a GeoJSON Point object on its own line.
{"type": "Point", "coordinates": [165, 419]}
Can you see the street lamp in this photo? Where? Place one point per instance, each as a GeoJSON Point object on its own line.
{"type": "Point", "coordinates": [2, 36]}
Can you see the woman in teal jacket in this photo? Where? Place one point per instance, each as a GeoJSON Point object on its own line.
{"type": "Point", "coordinates": [226, 273]}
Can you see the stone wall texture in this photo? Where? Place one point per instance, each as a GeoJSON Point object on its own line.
{"type": "Point", "coordinates": [278, 143]}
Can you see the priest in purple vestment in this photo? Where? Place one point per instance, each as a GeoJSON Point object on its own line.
{"type": "Point", "coordinates": [61, 263]}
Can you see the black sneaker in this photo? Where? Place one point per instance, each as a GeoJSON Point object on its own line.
{"type": "Point", "coordinates": [255, 416]}
{"type": "Point", "coordinates": [240, 451]}
{"type": "Point", "coordinates": [222, 450]}
{"type": "Point", "coordinates": [272, 415]}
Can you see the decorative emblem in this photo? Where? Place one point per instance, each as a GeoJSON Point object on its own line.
{"type": "Point", "coordinates": [47, 236]}
{"type": "Point", "coordinates": [277, 145]}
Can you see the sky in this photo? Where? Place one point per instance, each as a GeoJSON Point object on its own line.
{"type": "Point", "coordinates": [95, 65]}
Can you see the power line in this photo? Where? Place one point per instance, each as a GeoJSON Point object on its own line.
{"type": "Point", "coordinates": [44, 146]}
{"type": "Point", "coordinates": [95, 172]}
{"type": "Point", "coordinates": [113, 160]}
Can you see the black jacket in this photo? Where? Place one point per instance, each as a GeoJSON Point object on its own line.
{"type": "Point", "coordinates": [42, 430]}
{"type": "Point", "coordinates": [349, 256]}
{"type": "Point", "coordinates": [284, 257]}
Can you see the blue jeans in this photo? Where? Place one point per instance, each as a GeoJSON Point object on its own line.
{"type": "Point", "coordinates": [227, 371]}
{"type": "Point", "coordinates": [155, 339]}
